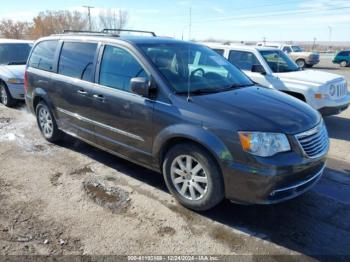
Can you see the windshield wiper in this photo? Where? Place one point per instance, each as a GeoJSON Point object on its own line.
{"type": "Point", "coordinates": [17, 63]}
{"type": "Point", "coordinates": [213, 90]}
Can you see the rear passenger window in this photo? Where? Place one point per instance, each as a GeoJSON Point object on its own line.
{"type": "Point", "coordinates": [77, 60]}
{"type": "Point", "coordinates": [118, 67]}
{"type": "Point", "coordinates": [43, 55]}
{"type": "Point", "coordinates": [243, 60]}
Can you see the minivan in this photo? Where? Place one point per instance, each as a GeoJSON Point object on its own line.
{"type": "Point", "coordinates": [180, 109]}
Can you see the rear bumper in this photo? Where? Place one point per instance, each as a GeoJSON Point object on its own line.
{"type": "Point", "coordinates": [29, 103]}
{"type": "Point", "coordinates": [273, 183]}
{"type": "Point", "coordinates": [312, 61]}
{"type": "Point", "coordinates": [16, 91]}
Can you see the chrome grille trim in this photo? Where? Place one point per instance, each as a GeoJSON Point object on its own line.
{"type": "Point", "coordinates": [314, 142]}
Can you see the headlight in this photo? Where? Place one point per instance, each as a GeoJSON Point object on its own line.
{"type": "Point", "coordinates": [264, 144]}
{"type": "Point", "coordinates": [332, 90]}
{"type": "Point", "coordinates": [15, 81]}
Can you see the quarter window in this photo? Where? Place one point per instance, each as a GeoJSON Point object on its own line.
{"type": "Point", "coordinates": [118, 67]}
{"type": "Point", "coordinates": [43, 55]}
{"type": "Point", "coordinates": [243, 60]}
{"type": "Point", "coordinates": [219, 51]}
{"type": "Point", "coordinates": [77, 60]}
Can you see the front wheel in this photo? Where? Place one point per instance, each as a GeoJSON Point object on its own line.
{"type": "Point", "coordinates": [47, 123]}
{"type": "Point", "coordinates": [193, 177]}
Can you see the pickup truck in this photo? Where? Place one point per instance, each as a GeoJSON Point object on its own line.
{"type": "Point", "coordinates": [271, 67]}
{"type": "Point", "coordinates": [298, 54]}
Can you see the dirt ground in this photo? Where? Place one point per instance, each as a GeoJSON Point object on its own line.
{"type": "Point", "coordinates": [73, 199]}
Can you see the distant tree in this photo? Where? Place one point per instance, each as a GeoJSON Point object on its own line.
{"type": "Point", "coordinates": [53, 22]}
{"type": "Point", "coordinates": [113, 19]}
{"type": "Point", "coordinates": [15, 29]}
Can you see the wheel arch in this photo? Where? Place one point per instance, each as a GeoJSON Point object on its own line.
{"type": "Point", "coordinates": [189, 134]}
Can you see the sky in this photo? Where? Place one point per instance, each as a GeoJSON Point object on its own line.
{"type": "Point", "coordinates": [238, 20]}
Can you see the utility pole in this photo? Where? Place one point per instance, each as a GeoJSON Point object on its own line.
{"type": "Point", "coordinates": [89, 15]}
{"type": "Point", "coordinates": [190, 26]}
{"type": "Point", "coordinates": [314, 44]}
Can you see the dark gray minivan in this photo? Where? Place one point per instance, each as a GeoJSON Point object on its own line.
{"type": "Point", "coordinates": [178, 108]}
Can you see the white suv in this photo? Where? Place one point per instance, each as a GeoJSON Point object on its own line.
{"type": "Point", "coordinates": [272, 68]}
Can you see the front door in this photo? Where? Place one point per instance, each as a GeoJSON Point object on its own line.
{"type": "Point", "coordinates": [123, 120]}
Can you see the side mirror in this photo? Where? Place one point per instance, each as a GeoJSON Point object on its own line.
{"type": "Point", "coordinates": [258, 69]}
{"type": "Point", "coordinates": [140, 86]}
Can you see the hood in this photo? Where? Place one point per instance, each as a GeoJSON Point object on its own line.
{"type": "Point", "coordinates": [309, 77]}
{"type": "Point", "coordinates": [255, 109]}
{"type": "Point", "coordinates": [12, 71]}
{"type": "Point", "coordinates": [305, 54]}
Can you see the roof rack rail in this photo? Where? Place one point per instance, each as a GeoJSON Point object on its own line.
{"type": "Point", "coordinates": [107, 30]}
{"type": "Point", "coordinates": [86, 32]}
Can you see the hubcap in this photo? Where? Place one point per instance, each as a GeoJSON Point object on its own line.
{"type": "Point", "coordinates": [3, 95]}
{"type": "Point", "coordinates": [45, 121]}
{"type": "Point", "coordinates": [343, 63]}
{"type": "Point", "coordinates": [189, 177]}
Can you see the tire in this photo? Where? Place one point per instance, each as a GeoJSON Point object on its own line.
{"type": "Point", "coordinates": [301, 63]}
{"type": "Point", "coordinates": [343, 63]}
{"type": "Point", "coordinates": [47, 123]}
{"type": "Point", "coordinates": [207, 177]}
{"type": "Point", "coordinates": [5, 96]}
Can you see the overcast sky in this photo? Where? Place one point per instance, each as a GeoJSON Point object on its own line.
{"type": "Point", "coordinates": [222, 19]}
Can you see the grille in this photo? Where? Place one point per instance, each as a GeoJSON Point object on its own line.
{"type": "Point", "coordinates": [314, 142]}
{"type": "Point", "coordinates": [341, 89]}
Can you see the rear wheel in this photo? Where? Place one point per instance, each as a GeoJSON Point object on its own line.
{"type": "Point", "coordinates": [343, 64]}
{"type": "Point", "coordinates": [301, 63]}
{"type": "Point", "coordinates": [193, 177]}
{"type": "Point", "coordinates": [47, 123]}
{"type": "Point", "coordinates": [5, 96]}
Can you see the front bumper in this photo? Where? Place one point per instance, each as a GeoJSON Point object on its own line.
{"type": "Point", "coordinates": [279, 178]}
{"type": "Point", "coordinates": [332, 107]}
{"type": "Point", "coordinates": [16, 91]}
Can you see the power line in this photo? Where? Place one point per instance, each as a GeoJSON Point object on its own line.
{"type": "Point", "coordinates": [267, 15]}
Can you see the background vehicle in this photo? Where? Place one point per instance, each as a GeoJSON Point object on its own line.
{"type": "Point", "coordinates": [180, 109]}
{"type": "Point", "coordinates": [270, 67]}
{"type": "Point", "coordinates": [342, 58]}
{"type": "Point", "coordinates": [13, 57]}
{"type": "Point", "coordinates": [301, 57]}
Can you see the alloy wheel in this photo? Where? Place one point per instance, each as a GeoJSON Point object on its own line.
{"type": "Point", "coordinates": [45, 122]}
{"type": "Point", "coordinates": [188, 177]}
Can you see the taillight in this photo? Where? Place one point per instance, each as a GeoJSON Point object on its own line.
{"type": "Point", "coordinates": [25, 81]}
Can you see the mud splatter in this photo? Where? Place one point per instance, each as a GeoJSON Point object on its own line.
{"type": "Point", "coordinates": [82, 171]}
{"type": "Point", "coordinates": [113, 198]}
{"type": "Point", "coordinates": [169, 231]}
{"type": "Point", "coordinates": [54, 179]}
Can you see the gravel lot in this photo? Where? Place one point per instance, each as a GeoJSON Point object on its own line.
{"type": "Point", "coordinates": [51, 203]}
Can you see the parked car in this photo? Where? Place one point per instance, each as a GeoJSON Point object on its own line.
{"type": "Point", "coordinates": [272, 68]}
{"type": "Point", "coordinates": [13, 57]}
{"type": "Point", "coordinates": [342, 58]}
{"type": "Point", "coordinates": [298, 54]}
{"type": "Point", "coordinates": [181, 109]}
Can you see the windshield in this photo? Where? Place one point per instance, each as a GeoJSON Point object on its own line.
{"type": "Point", "coordinates": [297, 48]}
{"type": "Point", "coordinates": [278, 61]}
{"type": "Point", "coordinates": [194, 68]}
{"type": "Point", "coordinates": [14, 54]}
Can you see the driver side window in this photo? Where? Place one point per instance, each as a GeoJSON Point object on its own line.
{"type": "Point", "coordinates": [118, 67]}
{"type": "Point", "coordinates": [243, 60]}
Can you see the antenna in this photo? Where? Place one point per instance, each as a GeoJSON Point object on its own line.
{"type": "Point", "coordinates": [189, 57]}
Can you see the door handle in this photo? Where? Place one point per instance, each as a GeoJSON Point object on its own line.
{"type": "Point", "coordinates": [99, 97]}
{"type": "Point", "coordinates": [82, 92]}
